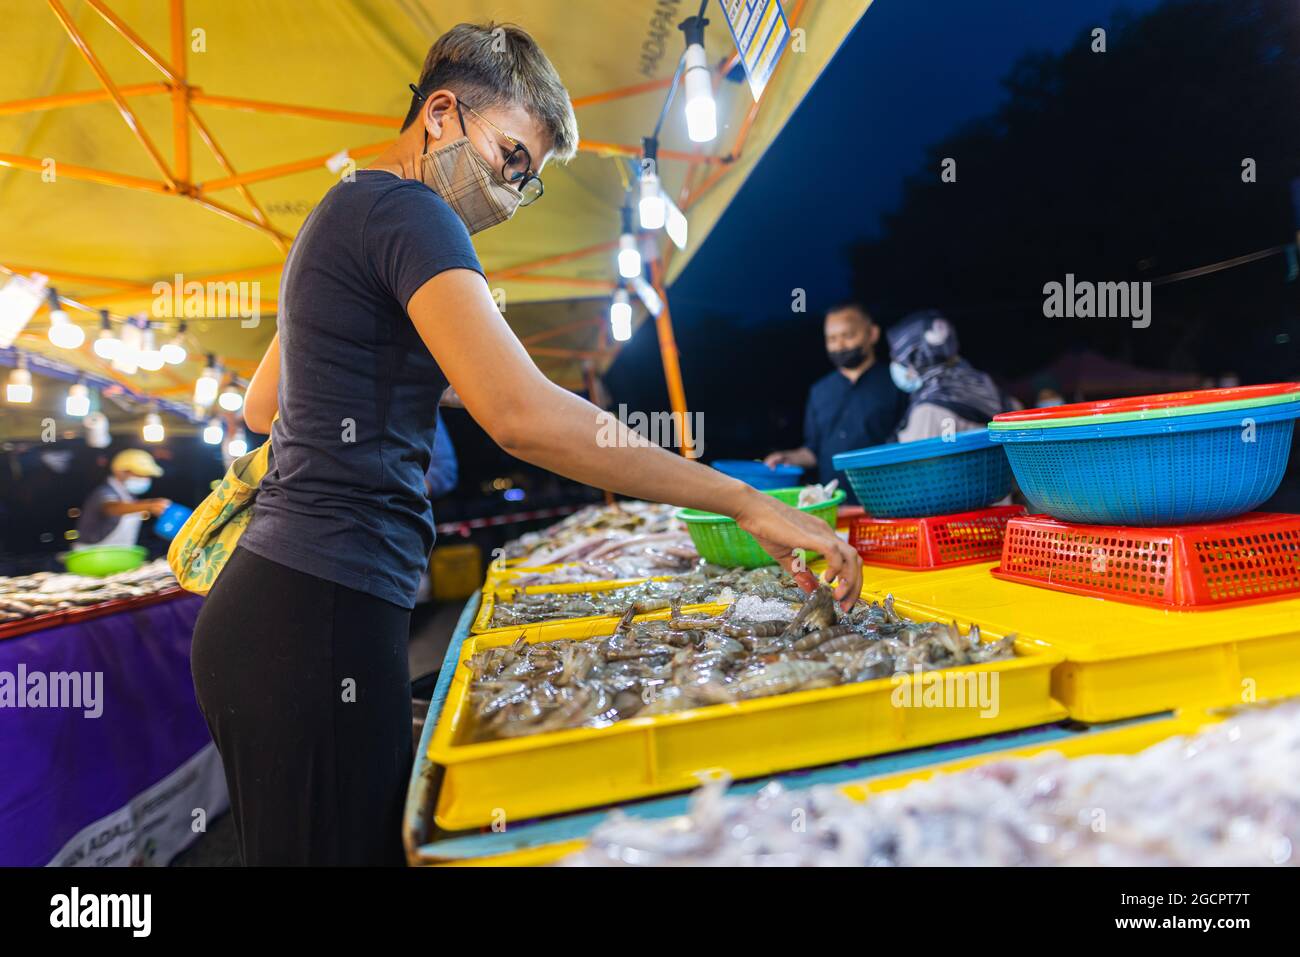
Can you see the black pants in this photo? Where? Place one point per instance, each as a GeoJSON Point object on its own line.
{"type": "Point", "coordinates": [305, 687]}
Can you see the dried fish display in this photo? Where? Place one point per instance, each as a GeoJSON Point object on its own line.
{"type": "Point", "coordinates": [688, 661]}
{"type": "Point", "coordinates": [44, 592]}
{"type": "Point", "coordinates": [1226, 796]}
{"type": "Point", "coordinates": [706, 584]}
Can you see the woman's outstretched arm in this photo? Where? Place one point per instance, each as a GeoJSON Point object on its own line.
{"type": "Point", "coordinates": [535, 420]}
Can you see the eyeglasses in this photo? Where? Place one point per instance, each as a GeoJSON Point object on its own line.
{"type": "Point", "coordinates": [518, 165]}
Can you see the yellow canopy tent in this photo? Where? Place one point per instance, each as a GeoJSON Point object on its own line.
{"type": "Point", "coordinates": [142, 140]}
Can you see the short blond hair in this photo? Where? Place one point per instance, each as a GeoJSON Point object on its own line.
{"type": "Point", "coordinates": [499, 64]}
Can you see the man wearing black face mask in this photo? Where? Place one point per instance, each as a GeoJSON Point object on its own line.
{"type": "Point", "coordinates": [853, 407]}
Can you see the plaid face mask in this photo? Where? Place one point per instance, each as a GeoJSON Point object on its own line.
{"type": "Point", "coordinates": [463, 178]}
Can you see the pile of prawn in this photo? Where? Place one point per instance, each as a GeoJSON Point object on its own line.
{"type": "Point", "coordinates": [690, 661]}
{"type": "Point", "coordinates": [1227, 796]}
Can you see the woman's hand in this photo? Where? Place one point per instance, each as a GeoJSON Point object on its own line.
{"type": "Point", "coordinates": [781, 529]}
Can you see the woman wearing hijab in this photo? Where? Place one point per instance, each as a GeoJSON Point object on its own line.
{"type": "Point", "coordinates": [946, 393]}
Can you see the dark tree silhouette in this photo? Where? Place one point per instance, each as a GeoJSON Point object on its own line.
{"type": "Point", "coordinates": [1122, 165]}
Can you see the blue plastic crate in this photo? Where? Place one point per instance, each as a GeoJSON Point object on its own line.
{"type": "Point", "coordinates": [931, 477]}
{"type": "Point", "coordinates": [1176, 471]}
{"type": "Point", "coordinates": [759, 475]}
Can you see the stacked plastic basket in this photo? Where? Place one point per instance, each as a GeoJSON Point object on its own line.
{"type": "Point", "coordinates": [1147, 499]}
{"type": "Point", "coordinates": [930, 503]}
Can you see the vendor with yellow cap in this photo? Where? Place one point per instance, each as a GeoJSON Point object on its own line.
{"type": "Point", "coordinates": [112, 513]}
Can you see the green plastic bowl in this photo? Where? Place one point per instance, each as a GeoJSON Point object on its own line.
{"type": "Point", "coordinates": [101, 560]}
{"type": "Point", "coordinates": [720, 540]}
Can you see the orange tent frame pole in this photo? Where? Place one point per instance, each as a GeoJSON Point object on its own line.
{"type": "Point", "coordinates": [290, 109]}
{"type": "Point", "coordinates": [561, 330]}
{"type": "Point", "coordinates": [176, 75]}
{"type": "Point", "coordinates": [286, 169]}
{"type": "Point", "coordinates": [180, 93]}
{"type": "Point", "coordinates": [124, 108]}
{"type": "Point", "coordinates": [511, 272]}
{"type": "Point", "coordinates": [672, 364]}
{"type": "Point", "coordinates": [258, 213]}
{"type": "Point", "coordinates": [89, 174]}
{"type": "Point", "coordinates": [59, 100]}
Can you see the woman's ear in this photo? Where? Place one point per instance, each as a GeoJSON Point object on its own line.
{"type": "Point", "coordinates": [439, 115]}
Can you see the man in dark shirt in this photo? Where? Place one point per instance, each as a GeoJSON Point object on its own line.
{"type": "Point", "coordinates": [855, 406]}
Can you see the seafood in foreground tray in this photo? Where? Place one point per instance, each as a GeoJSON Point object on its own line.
{"type": "Point", "coordinates": [25, 596]}
{"type": "Point", "coordinates": [690, 661]}
{"type": "Point", "coordinates": [1224, 797]}
{"type": "Point", "coordinates": [706, 584]}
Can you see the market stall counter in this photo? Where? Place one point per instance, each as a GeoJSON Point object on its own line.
{"type": "Point", "coordinates": [104, 757]}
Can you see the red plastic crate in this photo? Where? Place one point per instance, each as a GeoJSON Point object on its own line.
{"type": "Point", "coordinates": [936, 541]}
{"type": "Point", "coordinates": [1253, 558]}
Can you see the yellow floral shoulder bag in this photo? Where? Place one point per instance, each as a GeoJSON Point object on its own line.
{"type": "Point", "coordinates": [203, 545]}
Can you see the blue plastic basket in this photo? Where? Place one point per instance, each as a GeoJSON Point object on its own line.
{"type": "Point", "coordinates": [1181, 470]}
{"type": "Point", "coordinates": [931, 477]}
{"type": "Point", "coordinates": [759, 475]}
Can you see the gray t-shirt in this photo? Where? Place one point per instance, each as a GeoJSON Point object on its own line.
{"type": "Point", "coordinates": [93, 526]}
{"type": "Point", "coordinates": [345, 500]}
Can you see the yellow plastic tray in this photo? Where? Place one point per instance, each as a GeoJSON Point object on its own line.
{"type": "Point", "coordinates": [1126, 740]}
{"type": "Point", "coordinates": [587, 767]}
{"type": "Point", "coordinates": [1124, 660]}
{"type": "Point", "coordinates": [504, 593]}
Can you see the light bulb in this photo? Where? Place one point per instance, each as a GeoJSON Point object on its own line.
{"type": "Point", "coordinates": [151, 360]}
{"type": "Point", "coordinates": [206, 386]}
{"type": "Point", "coordinates": [19, 388]}
{"type": "Point", "coordinates": [153, 428]}
{"type": "Point", "coordinates": [173, 353]}
{"type": "Point", "coordinates": [629, 257]}
{"type": "Point", "coordinates": [652, 208]}
{"type": "Point", "coordinates": [701, 111]}
{"type": "Point", "coordinates": [107, 345]}
{"type": "Point", "coordinates": [237, 446]}
{"type": "Point", "coordinates": [214, 433]}
{"type": "Point", "coordinates": [78, 401]}
{"type": "Point", "coordinates": [231, 401]}
{"type": "Point", "coordinates": [65, 333]}
{"type": "Point", "coordinates": [620, 316]}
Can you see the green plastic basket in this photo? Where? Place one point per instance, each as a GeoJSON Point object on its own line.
{"type": "Point", "coordinates": [720, 540]}
{"type": "Point", "coordinates": [99, 561]}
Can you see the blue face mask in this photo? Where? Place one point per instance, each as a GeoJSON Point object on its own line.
{"type": "Point", "coordinates": [904, 377]}
{"type": "Point", "coordinates": [137, 484]}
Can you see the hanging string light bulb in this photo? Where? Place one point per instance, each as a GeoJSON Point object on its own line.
{"type": "Point", "coordinates": [107, 345]}
{"type": "Point", "coordinates": [701, 110]}
{"type": "Point", "coordinates": [153, 428]}
{"type": "Point", "coordinates": [620, 316]}
{"type": "Point", "coordinates": [63, 333]}
{"type": "Point", "coordinates": [213, 433]}
{"type": "Point", "coordinates": [237, 446]}
{"type": "Point", "coordinates": [151, 360]}
{"type": "Point", "coordinates": [629, 255]}
{"type": "Point", "coordinates": [653, 211]}
{"type": "Point", "coordinates": [77, 404]}
{"type": "Point", "coordinates": [19, 387]}
{"type": "Point", "coordinates": [207, 384]}
{"type": "Point", "coordinates": [232, 400]}
{"type": "Point", "coordinates": [173, 352]}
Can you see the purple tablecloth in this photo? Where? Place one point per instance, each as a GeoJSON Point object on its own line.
{"type": "Point", "coordinates": [104, 756]}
